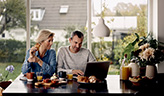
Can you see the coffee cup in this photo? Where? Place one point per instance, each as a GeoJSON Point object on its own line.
{"type": "Point", "coordinates": [30, 76]}
{"type": "Point", "coordinates": [62, 74]}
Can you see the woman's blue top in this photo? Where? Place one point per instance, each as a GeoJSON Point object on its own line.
{"type": "Point", "coordinates": [49, 64]}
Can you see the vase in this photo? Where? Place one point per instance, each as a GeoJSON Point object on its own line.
{"type": "Point", "coordinates": [5, 84]}
{"type": "Point", "coordinates": [151, 71]}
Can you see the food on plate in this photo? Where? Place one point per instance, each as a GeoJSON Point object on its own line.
{"type": "Point", "coordinates": [139, 78]}
{"type": "Point", "coordinates": [38, 83]}
{"type": "Point", "coordinates": [92, 79]}
{"type": "Point", "coordinates": [37, 45]}
{"type": "Point", "coordinates": [135, 79]}
{"type": "Point", "coordinates": [54, 81]}
{"type": "Point", "coordinates": [83, 79]}
{"type": "Point", "coordinates": [53, 77]}
{"type": "Point", "coordinates": [46, 80]}
{"type": "Point", "coordinates": [62, 82]}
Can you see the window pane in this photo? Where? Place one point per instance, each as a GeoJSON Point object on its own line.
{"type": "Point", "coordinates": [12, 36]}
{"type": "Point", "coordinates": [124, 18]}
{"type": "Point", "coordinates": [74, 18]}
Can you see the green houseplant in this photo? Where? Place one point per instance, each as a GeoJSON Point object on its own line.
{"type": "Point", "coordinates": [150, 51]}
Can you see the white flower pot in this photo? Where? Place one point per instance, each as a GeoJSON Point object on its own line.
{"type": "Point", "coordinates": [150, 71]}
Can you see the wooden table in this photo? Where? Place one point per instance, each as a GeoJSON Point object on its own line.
{"type": "Point", "coordinates": [112, 85]}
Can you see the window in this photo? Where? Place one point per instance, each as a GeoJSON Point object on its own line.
{"type": "Point", "coordinates": [3, 35]}
{"type": "Point", "coordinates": [37, 14]}
{"type": "Point", "coordinates": [123, 17]}
{"type": "Point", "coordinates": [12, 45]}
{"type": "Point", "coordinates": [64, 8]}
{"type": "Point", "coordinates": [62, 25]}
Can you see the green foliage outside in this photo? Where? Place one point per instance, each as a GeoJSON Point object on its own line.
{"type": "Point", "coordinates": [15, 51]}
{"type": "Point", "coordinates": [12, 51]}
{"type": "Point", "coordinates": [12, 19]}
{"type": "Point", "coordinates": [141, 30]}
{"type": "Point", "coordinates": [102, 50]}
{"type": "Point", "coordinates": [72, 28]}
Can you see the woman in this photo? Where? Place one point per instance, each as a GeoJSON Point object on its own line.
{"type": "Point", "coordinates": [42, 58]}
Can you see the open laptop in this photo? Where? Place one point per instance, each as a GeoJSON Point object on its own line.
{"type": "Point", "coordinates": [98, 69]}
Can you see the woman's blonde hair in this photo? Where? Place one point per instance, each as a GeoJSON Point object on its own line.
{"type": "Point", "coordinates": [43, 35]}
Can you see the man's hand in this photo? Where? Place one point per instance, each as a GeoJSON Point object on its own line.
{"type": "Point", "coordinates": [77, 72]}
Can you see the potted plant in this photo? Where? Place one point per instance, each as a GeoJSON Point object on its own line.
{"type": "Point", "coordinates": [3, 82]}
{"type": "Point", "coordinates": [149, 53]}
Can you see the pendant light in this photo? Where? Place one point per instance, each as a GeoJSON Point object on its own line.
{"type": "Point", "coordinates": [101, 30]}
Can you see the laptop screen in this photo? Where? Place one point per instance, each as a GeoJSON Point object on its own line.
{"type": "Point", "coordinates": [98, 69]}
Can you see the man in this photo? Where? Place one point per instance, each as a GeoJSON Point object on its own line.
{"type": "Point", "coordinates": [73, 58]}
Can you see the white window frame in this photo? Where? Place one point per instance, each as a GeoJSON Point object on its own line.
{"type": "Point", "coordinates": [64, 9]}
{"type": "Point", "coordinates": [37, 14]}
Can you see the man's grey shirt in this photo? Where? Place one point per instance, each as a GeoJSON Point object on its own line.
{"type": "Point", "coordinates": [67, 61]}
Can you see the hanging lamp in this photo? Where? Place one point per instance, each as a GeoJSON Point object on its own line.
{"type": "Point", "coordinates": [101, 30]}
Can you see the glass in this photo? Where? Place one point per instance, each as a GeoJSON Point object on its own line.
{"type": "Point", "coordinates": [39, 76]}
{"type": "Point", "coordinates": [69, 76]}
{"type": "Point", "coordinates": [125, 73]}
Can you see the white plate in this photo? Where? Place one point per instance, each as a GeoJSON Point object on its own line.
{"type": "Point", "coordinates": [23, 78]}
{"type": "Point", "coordinates": [30, 79]}
{"type": "Point", "coordinates": [62, 82]}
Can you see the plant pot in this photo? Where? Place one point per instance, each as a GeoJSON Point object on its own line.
{"type": "Point", "coordinates": [151, 71]}
{"type": "Point", "coordinates": [5, 84]}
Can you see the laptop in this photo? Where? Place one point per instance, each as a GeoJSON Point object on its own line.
{"type": "Point", "coordinates": [98, 69]}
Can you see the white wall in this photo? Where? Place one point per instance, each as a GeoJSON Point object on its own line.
{"type": "Point", "coordinates": [160, 16]}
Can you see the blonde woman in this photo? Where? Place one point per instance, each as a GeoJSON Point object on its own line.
{"type": "Point", "coordinates": [40, 57]}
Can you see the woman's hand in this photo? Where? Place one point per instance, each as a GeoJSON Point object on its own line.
{"type": "Point", "coordinates": [36, 60]}
{"type": "Point", "coordinates": [33, 59]}
{"type": "Point", "coordinates": [32, 51]}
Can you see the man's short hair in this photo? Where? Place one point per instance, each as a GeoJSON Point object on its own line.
{"type": "Point", "coordinates": [78, 33]}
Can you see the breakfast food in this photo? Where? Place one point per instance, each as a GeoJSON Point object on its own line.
{"type": "Point", "coordinates": [53, 77]}
{"type": "Point", "coordinates": [54, 81]}
{"type": "Point", "coordinates": [84, 79]}
{"type": "Point", "coordinates": [38, 83]}
{"type": "Point", "coordinates": [46, 80]}
{"type": "Point", "coordinates": [92, 79]}
{"type": "Point", "coordinates": [139, 78]}
{"type": "Point", "coordinates": [1, 90]}
{"type": "Point", "coordinates": [135, 79]}
{"type": "Point", "coordinates": [37, 45]}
